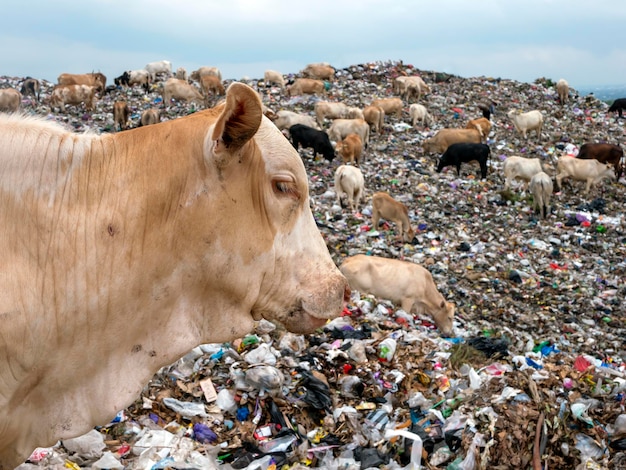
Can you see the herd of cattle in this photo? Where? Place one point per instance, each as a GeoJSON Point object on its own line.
{"type": "Point", "coordinates": [141, 250]}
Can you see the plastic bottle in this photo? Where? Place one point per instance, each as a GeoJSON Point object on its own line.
{"type": "Point", "coordinates": [386, 349]}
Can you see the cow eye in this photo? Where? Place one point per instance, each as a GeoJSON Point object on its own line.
{"type": "Point", "coordinates": [286, 187]}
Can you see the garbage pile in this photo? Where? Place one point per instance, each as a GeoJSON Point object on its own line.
{"type": "Point", "coordinates": [535, 375]}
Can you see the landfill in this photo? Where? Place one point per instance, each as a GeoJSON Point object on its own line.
{"type": "Point", "coordinates": [535, 374]}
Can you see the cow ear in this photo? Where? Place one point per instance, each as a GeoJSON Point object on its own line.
{"type": "Point", "coordinates": [240, 118]}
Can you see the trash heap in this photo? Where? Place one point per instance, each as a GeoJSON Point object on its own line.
{"type": "Point", "coordinates": [535, 376]}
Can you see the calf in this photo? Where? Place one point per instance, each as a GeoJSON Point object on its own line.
{"type": "Point", "coordinates": [121, 113]}
{"type": "Point", "coordinates": [591, 171]}
{"type": "Point", "coordinates": [562, 88]}
{"type": "Point", "coordinates": [482, 125]}
{"type": "Point", "coordinates": [618, 106]}
{"type": "Point", "coordinates": [180, 90]}
{"type": "Point", "coordinates": [464, 153]}
{"type": "Point", "coordinates": [31, 87]}
{"type": "Point", "coordinates": [149, 116]}
{"type": "Point", "coordinates": [350, 148]}
{"type": "Point", "coordinates": [526, 122]}
{"type": "Point", "coordinates": [340, 128]}
{"type": "Point", "coordinates": [405, 283]}
{"type": "Point", "coordinates": [418, 112]}
{"type": "Point", "coordinates": [386, 207]}
{"type": "Point", "coordinates": [521, 168]}
{"type": "Point", "coordinates": [375, 117]}
{"type": "Point", "coordinates": [541, 189]}
{"type": "Point", "coordinates": [349, 184]}
{"type": "Point", "coordinates": [440, 142]}
{"type": "Point", "coordinates": [604, 153]}
{"type": "Point", "coordinates": [10, 100]}
{"type": "Point", "coordinates": [273, 77]}
{"type": "Point", "coordinates": [307, 137]}
{"type": "Point", "coordinates": [73, 94]}
{"type": "Point", "coordinates": [284, 119]}
{"type": "Point", "coordinates": [389, 105]}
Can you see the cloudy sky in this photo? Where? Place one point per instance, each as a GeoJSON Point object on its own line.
{"type": "Point", "coordinates": [578, 40]}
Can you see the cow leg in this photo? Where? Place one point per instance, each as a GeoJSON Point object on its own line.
{"type": "Point", "coordinates": [458, 170]}
{"type": "Point", "coordinates": [483, 170]}
{"type": "Point", "coordinates": [559, 178]}
{"type": "Point", "coordinates": [407, 305]}
{"type": "Point", "coordinates": [375, 219]}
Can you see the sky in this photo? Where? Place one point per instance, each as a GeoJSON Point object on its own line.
{"type": "Point", "coordinates": [577, 40]}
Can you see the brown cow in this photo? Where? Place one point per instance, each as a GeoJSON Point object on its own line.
{"type": "Point", "coordinates": [375, 117]}
{"type": "Point", "coordinates": [386, 207]}
{"type": "Point", "coordinates": [94, 79]}
{"type": "Point", "coordinates": [103, 230]}
{"type": "Point", "coordinates": [149, 116]}
{"type": "Point", "coordinates": [10, 100]}
{"type": "Point", "coordinates": [604, 153]}
{"type": "Point", "coordinates": [180, 90]}
{"type": "Point", "coordinates": [321, 71]}
{"type": "Point", "coordinates": [73, 94]}
{"type": "Point", "coordinates": [350, 148]}
{"type": "Point", "coordinates": [31, 87]}
{"type": "Point", "coordinates": [121, 113]}
{"type": "Point", "coordinates": [211, 85]}
{"type": "Point", "coordinates": [306, 86]}
{"type": "Point", "coordinates": [483, 125]}
{"type": "Point", "coordinates": [440, 142]}
{"type": "Point", "coordinates": [389, 105]}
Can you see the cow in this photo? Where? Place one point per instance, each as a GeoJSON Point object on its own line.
{"type": "Point", "coordinates": [284, 119]}
{"type": "Point", "coordinates": [95, 79]}
{"type": "Point", "coordinates": [273, 77]}
{"type": "Point", "coordinates": [483, 125]}
{"type": "Point", "coordinates": [327, 109]}
{"type": "Point", "coordinates": [211, 85]}
{"type": "Point", "coordinates": [306, 86]}
{"type": "Point", "coordinates": [375, 117]}
{"type": "Point", "coordinates": [100, 231]}
{"type": "Point", "coordinates": [205, 70]}
{"type": "Point", "coordinates": [404, 283]}
{"type": "Point", "coordinates": [465, 152]}
{"type": "Point", "coordinates": [307, 137]}
{"type": "Point", "coordinates": [74, 95]}
{"type": "Point", "coordinates": [604, 153]}
{"type": "Point", "coordinates": [389, 105]}
{"type": "Point", "coordinates": [159, 67]}
{"type": "Point", "coordinates": [134, 77]}
{"type": "Point", "coordinates": [321, 71]}
{"type": "Point", "coordinates": [562, 88]}
{"type": "Point", "coordinates": [121, 114]}
{"type": "Point", "coordinates": [410, 86]}
{"type": "Point", "coordinates": [349, 184]}
{"type": "Point", "coordinates": [526, 122]}
{"type": "Point", "coordinates": [181, 73]}
{"type": "Point", "coordinates": [522, 168]}
{"type": "Point", "coordinates": [340, 128]}
{"type": "Point", "coordinates": [180, 90]}
{"type": "Point", "coordinates": [386, 207]}
{"type": "Point", "coordinates": [10, 100]}
{"type": "Point", "coordinates": [590, 171]}
{"type": "Point", "coordinates": [445, 137]}
{"type": "Point", "coordinates": [149, 116]}
{"type": "Point", "coordinates": [350, 148]}
{"type": "Point", "coordinates": [618, 106]}
{"type": "Point", "coordinates": [418, 112]}
{"type": "Point", "coordinates": [541, 188]}
{"type": "Point", "coordinates": [31, 87]}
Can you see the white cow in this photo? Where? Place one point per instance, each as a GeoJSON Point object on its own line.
{"type": "Point", "coordinates": [541, 188]}
{"type": "Point", "coordinates": [562, 88]}
{"type": "Point", "coordinates": [349, 184]}
{"type": "Point", "coordinates": [284, 119]}
{"type": "Point", "coordinates": [341, 128]}
{"type": "Point", "coordinates": [161, 66]}
{"type": "Point", "coordinates": [525, 122]}
{"type": "Point", "coordinates": [274, 77]}
{"type": "Point", "coordinates": [591, 171]}
{"type": "Point", "coordinates": [418, 112]}
{"type": "Point", "coordinates": [522, 168]}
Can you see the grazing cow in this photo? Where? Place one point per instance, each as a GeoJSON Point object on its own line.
{"type": "Point", "coordinates": [284, 119]}
{"type": "Point", "coordinates": [389, 105]}
{"type": "Point", "coordinates": [522, 168]}
{"type": "Point", "coordinates": [211, 85]}
{"type": "Point", "coordinates": [134, 77]}
{"type": "Point", "coordinates": [95, 79]}
{"type": "Point", "coordinates": [440, 142]}
{"type": "Point", "coordinates": [181, 73]}
{"type": "Point", "coordinates": [180, 90]}
{"type": "Point", "coordinates": [418, 112]}
{"type": "Point", "coordinates": [10, 100]}
{"type": "Point", "coordinates": [73, 94]}
{"type": "Point", "coordinates": [326, 109]}
{"type": "Point", "coordinates": [464, 152]}
{"type": "Point", "coordinates": [320, 71]}
{"type": "Point", "coordinates": [562, 88]}
{"type": "Point", "coordinates": [31, 87]}
{"type": "Point", "coordinates": [121, 113]}
{"type": "Point", "coordinates": [526, 122]}
{"type": "Point", "coordinates": [306, 86]}
{"type": "Point", "coordinates": [307, 137]}
{"type": "Point", "coordinates": [349, 184]}
{"type": "Point", "coordinates": [159, 67]}
{"type": "Point", "coordinates": [618, 106]}
{"type": "Point", "coordinates": [99, 231]}
{"type": "Point", "coordinates": [273, 77]}
{"type": "Point", "coordinates": [409, 86]}
{"type": "Point", "coordinates": [604, 153]}
{"type": "Point", "coordinates": [386, 207]}
{"type": "Point", "coordinates": [591, 171]}
{"type": "Point", "coordinates": [350, 148]}
{"type": "Point", "coordinates": [541, 188]}
{"type": "Point", "coordinates": [405, 283]}
{"type": "Point", "coordinates": [205, 70]}
{"type": "Point", "coordinates": [482, 125]}
{"type": "Point", "coordinates": [149, 116]}
{"type": "Point", "coordinates": [375, 117]}
{"type": "Point", "coordinates": [341, 128]}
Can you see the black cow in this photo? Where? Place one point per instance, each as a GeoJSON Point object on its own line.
{"type": "Point", "coordinates": [30, 87]}
{"type": "Point", "coordinates": [123, 79]}
{"type": "Point", "coordinates": [618, 105]}
{"type": "Point", "coordinates": [307, 137]}
{"type": "Point", "coordinates": [604, 153]}
{"type": "Point", "coordinates": [464, 153]}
